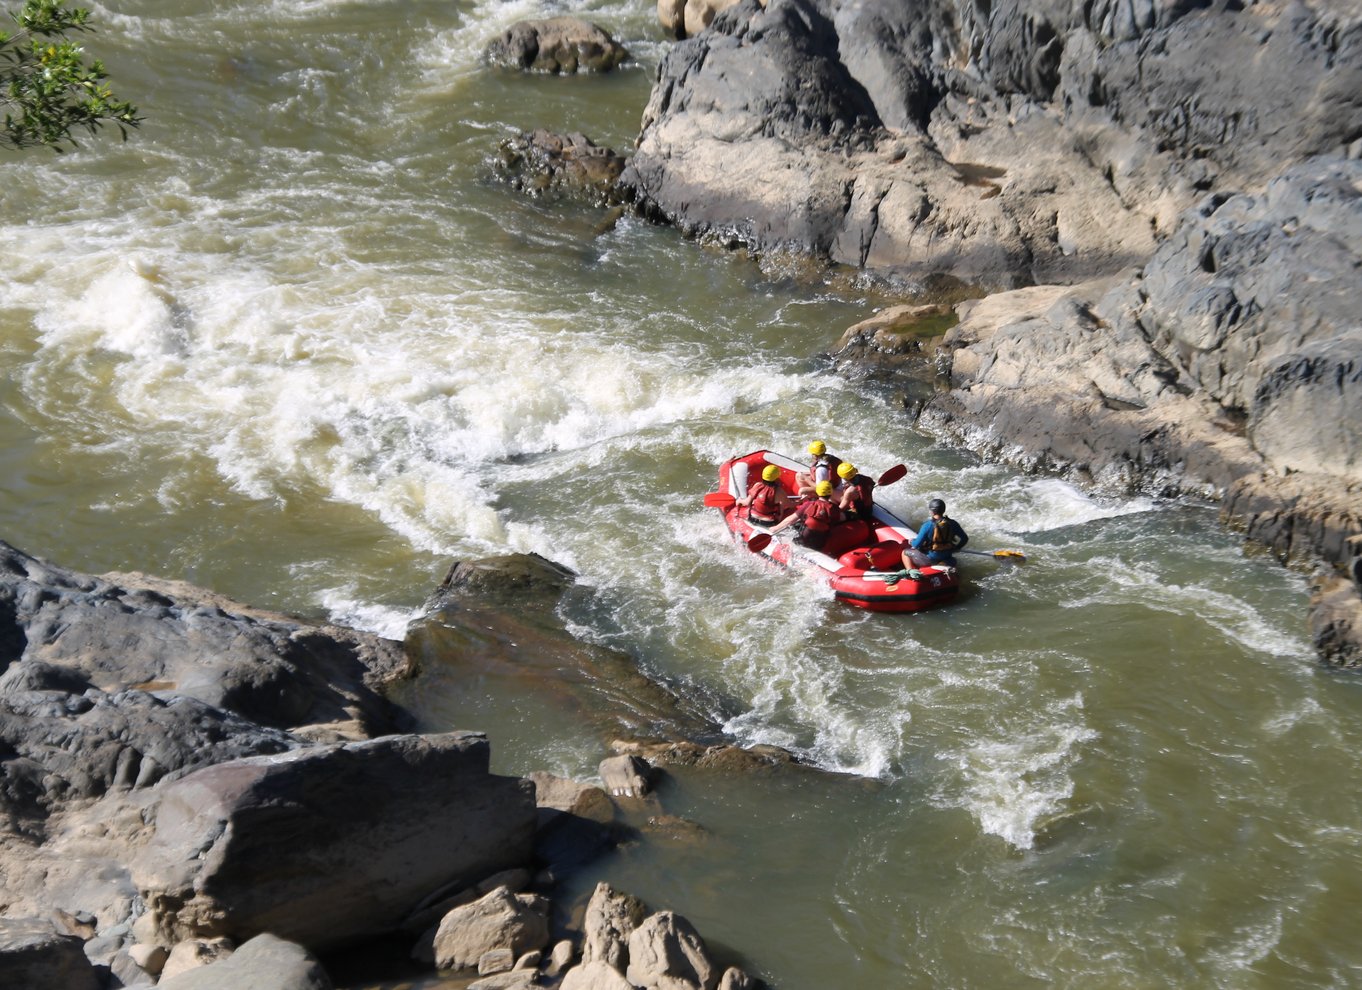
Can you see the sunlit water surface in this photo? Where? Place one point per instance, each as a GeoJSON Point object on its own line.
{"type": "Point", "coordinates": [292, 343]}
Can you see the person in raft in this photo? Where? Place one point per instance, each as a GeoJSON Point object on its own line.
{"type": "Point", "coordinates": [823, 468]}
{"type": "Point", "coordinates": [815, 517]}
{"type": "Point", "coordinates": [938, 538]}
{"type": "Point", "coordinates": [855, 498]}
{"type": "Point", "coordinates": [766, 503]}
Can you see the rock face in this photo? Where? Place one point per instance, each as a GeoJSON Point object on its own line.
{"type": "Point", "coordinates": [556, 44]}
{"type": "Point", "coordinates": [133, 632]}
{"type": "Point", "coordinates": [325, 844]}
{"type": "Point", "coordinates": [1002, 144]}
{"type": "Point", "coordinates": [34, 954]}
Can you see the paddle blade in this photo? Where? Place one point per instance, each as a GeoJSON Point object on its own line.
{"type": "Point", "coordinates": [759, 542]}
{"type": "Point", "coordinates": [720, 500]}
{"type": "Point", "coordinates": [1016, 555]}
{"type": "Point", "coordinates": [893, 474]}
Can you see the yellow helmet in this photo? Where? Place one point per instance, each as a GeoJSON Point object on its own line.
{"type": "Point", "coordinates": [818, 448]}
{"type": "Point", "coordinates": [845, 470]}
{"type": "Point", "coordinates": [823, 488]}
{"type": "Point", "coordinates": [770, 473]}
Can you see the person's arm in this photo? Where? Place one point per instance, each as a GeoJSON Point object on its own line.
{"type": "Point", "coordinates": [784, 522]}
{"type": "Point", "coordinates": [921, 537]}
{"type": "Point", "coordinates": [964, 537]}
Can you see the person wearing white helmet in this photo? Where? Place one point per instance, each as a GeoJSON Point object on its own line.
{"type": "Point", "coordinates": [766, 501]}
{"type": "Point", "coordinates": [822, 468]}
{"type": "Point", "coordinates": [815, 517]}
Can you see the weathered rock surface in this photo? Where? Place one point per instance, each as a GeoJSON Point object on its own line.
{"type": "Point", "coordinates": [625, 948]}
{"type": "Point", "coordinates": [1229, 365]}
{"type": "Point", "coordinates": [325, 844]}
{"type": "Point", "coordinates": [33, 954]}
{"type": "Point", "coordinates": [133, 632]}
{"type": "Point", "coordinates": [1003, 144]}
{"type": "Point", "coordinates": [556, 44]}
{"type": "Point", "coordinates": [263, 963]}
{"type": "Point", "coordinates": [502, 920]}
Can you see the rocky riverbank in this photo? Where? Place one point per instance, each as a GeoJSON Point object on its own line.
{"type": "Point", "coordinates": [195, 793]}
{"type": "Point", "coordinates": [1153, 213]}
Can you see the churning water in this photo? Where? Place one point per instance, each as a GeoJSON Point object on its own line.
{"type": "Point", "coordinates": [291, 342]}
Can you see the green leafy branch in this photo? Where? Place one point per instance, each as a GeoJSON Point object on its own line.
{"type": "Point", "coordinates": [47, 90]}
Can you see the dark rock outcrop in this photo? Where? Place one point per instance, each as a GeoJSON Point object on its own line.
{"type": "Point", "coordinates": [541, 163]}
{"type": "Point", "coordinates": [132, 632]}
{"type": "Point", "coordinates": [1003, 143]}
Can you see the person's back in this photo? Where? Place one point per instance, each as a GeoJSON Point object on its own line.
{"type": "Point", "coordinates": [765, 501]}
{"type": "Point", "coordinates": [939, 537]}
{"type": "Point", "coordinates": [857, 500]}
{"type": "Point", "coordinates": [815, 517]}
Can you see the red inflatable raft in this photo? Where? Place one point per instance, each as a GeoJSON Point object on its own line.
{"type": "Point", "coordinates": [863, 561]}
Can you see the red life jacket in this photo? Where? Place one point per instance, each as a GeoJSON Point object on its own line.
{"type": "Point", "coordinates": [830, 462]}
{"type": "Point", "coordinates": [863, 500]}
{"type": "Point", "coordinates": [765, 499]}
{"type": "Point", "coordinates": [819, 515]}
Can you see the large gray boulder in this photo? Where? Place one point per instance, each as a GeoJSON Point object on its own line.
{"type": "Point", "coordinates": [35, 956]}
{"type": "Point", "coordinates": [134, 632]}
{"type": "Point", "coordinates": [326, 844]}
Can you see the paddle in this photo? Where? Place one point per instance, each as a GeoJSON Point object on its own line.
{"type": "Point", "coordinates": [1006, 554]}
{"type": "Point", "coordinates": [892, 475]}
{"type": "Point", "coordinates": [720, 500]}
{"type": "Point", "coordinates": [758, 542]}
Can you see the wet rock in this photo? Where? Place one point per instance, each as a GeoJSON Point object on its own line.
{"type": "Point", "coordinates": [627, 776]}
{"type": "Point", "coordinates": [556, 44]}
{"type": "Point", "coordinates": [1336, 620]}
{"type": "Point", "coordinates": [330, 843]}
{"type": "Point", "coordinates": [542, 163]}
{"type": "Point", "coordinates": [720, 756]}
{"type": "Point", "coordinates": [560, 957]}
{"type": "Point", "coordinates": [493, 626]}
{"type": "Point", "coordinates": [34, 954]}
{"type": "Point", "coordinates": [262, 963]}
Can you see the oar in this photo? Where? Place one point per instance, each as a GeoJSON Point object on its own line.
{"type": "Point", "coordinates": [892, 475]}
{"type": "Point", "coordinates": [1006, 554]}
{"type": "Point", "coordinates": [720, 500]}
{"type": "Point", "coordinates": [758, 542]}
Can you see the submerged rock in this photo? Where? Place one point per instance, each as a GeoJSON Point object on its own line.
{"type": "Point", "coordinates": [543, 163]}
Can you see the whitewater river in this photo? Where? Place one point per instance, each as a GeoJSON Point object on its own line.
{"type": "Point", "coordinates": [290, 342]}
